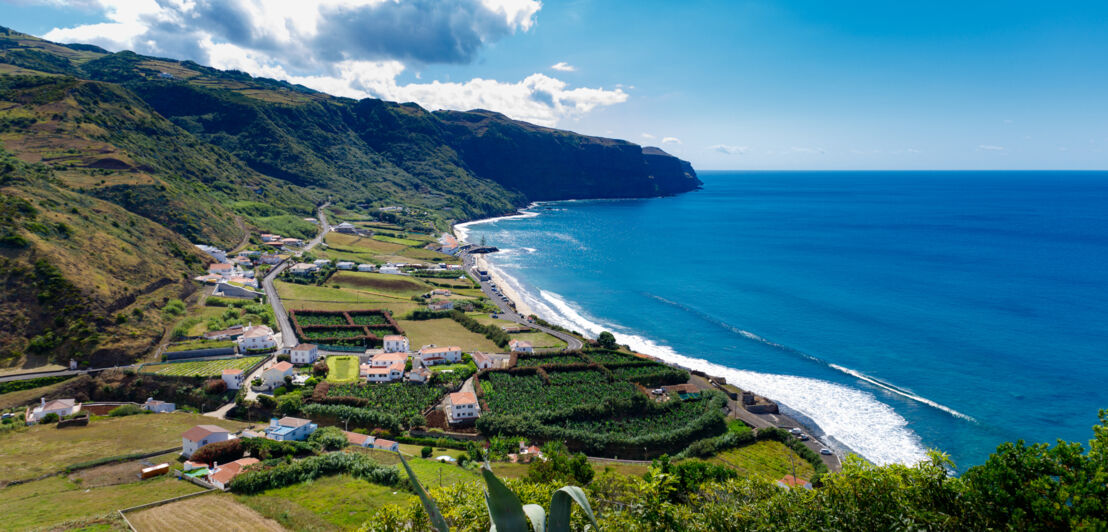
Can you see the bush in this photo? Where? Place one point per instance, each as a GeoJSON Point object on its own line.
{"type": "Point", "coordinates": [290, 403]}
{"type": "Point", "coordinates": [426, 452]}
{"type": "Point", "coordinates": [215, 386]}
{"type": "Point", "coordinates": [320, 369]}
{"type": "Point", "coordinates": [357, 465]}
{"type": "Point", "coordinates": [49, 418]}
{"type": "Point", "coordinates": [358, 417]}
{"type": "Point", "coordinates": [175, 307]}
{"type": "Point", "coordinates": [284, 358]}
{"type": "Point", "coordinates": [328, 438]}
{"type": "Point", "coordinates": [220, 451]}
{"type": "Point", "coordinates": [126, 410]}
{"type": "Point", "coordinates": [267, 401]}
{"type": "Point", "coordinates": [265, 448]}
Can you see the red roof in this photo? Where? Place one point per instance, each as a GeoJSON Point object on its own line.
{"type": "Point", "coordinates": [355, 438]}
{"type": "Point", "coordinates": [200, 432]}
{"type": "Point", "coordinates": [379, 442]}
{"type": "Point", "coordinates": [232, 371]}
{"type": "Point", "coordinates": [304, 347]}
{"type": "Point", "coordinates": [463, 398]}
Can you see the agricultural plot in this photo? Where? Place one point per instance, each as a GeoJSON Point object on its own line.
{"type": "Point", "coordinates": [530, 361]}
{"type": "Point", "coordinates": [569, 378]}
{"type": "Point", "coordinates": [510, 394]}
{"type": "Point", "coordinates": [342, 369]}
{"type": "Point", "coordinates": [351, 328]}
{"type": "Point", "coordinates": [207, 512]}
{"type": "Point", "coordinates": [56, 502]}
{"type": "Point", "coordinates": [652, 375]}
{"type": "Point", "coordinates": [678, 415]}
{"type": "Point", "coordinates": [615, 357]}
{"type": "Point", "coordinates": [402, 400]}
{"type": "Point", "coordinates": [392, 285]}
{"type": "Point", "coordinates": [200, 368]}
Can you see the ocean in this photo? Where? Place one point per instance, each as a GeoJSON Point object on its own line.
{"type": "Point", "coordinates": [894, 311]}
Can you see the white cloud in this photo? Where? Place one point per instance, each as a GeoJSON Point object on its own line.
{"type": "Point", "coordinates": [563, 66]}
{"type": "Point", "coordinates": [648, 136]}
{"type": "Point", "coordinates": [989, 147]}
{"type": "Point", "coordinates": [671, 140]}
{"type": "Point", "coordinates": [353, 48]}
{"type": "Point", "coordinates": [729, 150]}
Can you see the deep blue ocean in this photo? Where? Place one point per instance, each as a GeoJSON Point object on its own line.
{"type": "Point", "coordinates": [896, 311]}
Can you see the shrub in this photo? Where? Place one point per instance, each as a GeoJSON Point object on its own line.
{"type": "Point", "coordinates": [290, 403]}
{"type": "Point", "coordinates": [215, 386]}
{"type": "Point", "coordinates": [265, 448]}
{"type": "Point", "coordinates": [220, 451]}
{"type": "Point", "coordinates": [426, 452]}
{"type": "Point", "coordinates": [284, 358]}
{"type": "Point", "coordinates": [267, 401]}
{"type": "Point", "coordinates": [357, 465]}
{"type": "Point", "coordinates": [49, 418]}
{"type": "Point", "coordinates": [320, 369]}
{"type": "Point", "coordinates": [125, 410]}
{"type": "Point", "coordinates": [328, 438]}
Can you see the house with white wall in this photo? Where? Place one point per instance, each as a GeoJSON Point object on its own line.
{"type": "Point", "coordinates": [257, 338]}
{"type": "Point", "coordinates": [481, 360]}
{"type": "Point", "coordinates": [275, 375]}
{"type": "Point", "coordinates": [201, 435]}
{"type": "Point", "coordinates": [462, 407]}
{"type": "Point", "coordinates": [61, 407]}
{"type": "Point", "coordinates": [430, 355]}
{"type": "Point", "coordinates": [396, 343]}
{"type": "Point", "coordinates": [233, 377]}
{"type": "Point", "coordinates": [521, 346]}
{"type": "Point", "coordinates": [290, 429]}
{"type": "Point", "coordinates": [304, 354]}
{"type": "Point", "coordinates": [158, 407]}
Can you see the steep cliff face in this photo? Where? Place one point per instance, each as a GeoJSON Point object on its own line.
{"type": "Point", "coordinates": [549, 164]}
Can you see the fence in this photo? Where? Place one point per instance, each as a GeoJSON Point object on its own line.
{"type": "Point", "coordinates": [123, 511]}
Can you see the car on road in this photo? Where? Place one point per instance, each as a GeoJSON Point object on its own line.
{"type": "Point", "coordinates": [825, 451]}
{"type": "Point", "coordinates": [802, 437]}
{"type": "Point", "coordinates": [795, 430]}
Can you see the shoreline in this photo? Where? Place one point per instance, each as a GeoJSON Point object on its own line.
{"type": "Point", "coordinates": [786, 416]}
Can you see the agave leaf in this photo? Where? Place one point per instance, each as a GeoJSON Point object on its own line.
{"type": "Point", "coordinates": [505, 509]}
{"type": "Point", "coordinates": [537, 516]}
{"type": "Point", "coordinates": [560, 508]}
{"type": "Point", "coordinates": [437, 520]}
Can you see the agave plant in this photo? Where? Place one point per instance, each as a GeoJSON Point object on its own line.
{"type": "Point", "coordinates": [507, 512]}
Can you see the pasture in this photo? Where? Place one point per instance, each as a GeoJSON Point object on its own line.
{"type": "Point", "coordinates": [200, 368]}
{"type": "Point", "coordinates": [214, 512]}
{"type": "Point", "coordinates": [343, 369]}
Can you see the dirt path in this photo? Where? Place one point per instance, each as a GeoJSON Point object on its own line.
{"type": "Point", "coordinates": [245, 236]}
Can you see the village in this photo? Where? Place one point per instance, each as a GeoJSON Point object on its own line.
{"type": "Point", "coordinates": [376, 340]}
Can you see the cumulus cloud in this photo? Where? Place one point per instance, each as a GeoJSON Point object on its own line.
{"type": "Point", "coordinates": [648, 136]}
{"type": "Point", "coordinates": [671, 140]}
{"type": "Point", "coordinates": [729, 150]}
{"type": "Point", "coordinates": [353, 48]}
{"type": "Point", "coordinates": [989, 147]}
{"type": "Point", "coordinates": [563, 66]}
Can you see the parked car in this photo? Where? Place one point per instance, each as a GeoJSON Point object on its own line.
{"type": "Point", "coordinates": [825, 451]}
{"type": "Point", "coordinates": [802, 437]}
{"type": "Point", "coordinates": [796, 430]}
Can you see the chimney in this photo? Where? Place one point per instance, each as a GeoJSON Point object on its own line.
{"type": "Point", "coordinates": [273, 422]}
{"type": "Point", "coordinates": [43, 399]}
{"type": "Point", "coordinates": [215, 466]}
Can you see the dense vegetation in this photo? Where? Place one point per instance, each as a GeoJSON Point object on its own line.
{"type": "Point", "coordinates": [396, 399]}
{"type": "Point", "coordinates": [264, 476]}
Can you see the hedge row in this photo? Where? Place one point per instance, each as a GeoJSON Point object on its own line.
{"type": "Point", "coordinates": [358, 417]}
{"type": "Point", "coordinates": [257, 479]}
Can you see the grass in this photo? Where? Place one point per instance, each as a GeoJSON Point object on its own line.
{"type": "Point", "coordinates": [540, 340]}
{"type": "Point", "coordinates": [401, 241]}
{"type": "Point", "coordinates": [429, 472]}
{"type": "Point", "coordinates": [55, 500]}
{"type": "Point", "coordinates": [206, 512]}
{"type": "Point", "coordinates": [199, 344]}
{"type": "Point", "coordinates": [119, 472]}
{"type": "Point", "coordinates": [343, 369]}
{"type": "Point", "coordinates": [767, 459]}
{"type": "Point", "coordinates": [44, 448]}
{"type": "Point", "coordinates": [23, 397]}
{"type": "Point", "coordinates": [446, 332]}
{"type": "Point", "coordinates": [339, 502]}
{"type": "Point", "coordinates": [200, 368]}
{"type": "Point", "coordinates": [379, 283]}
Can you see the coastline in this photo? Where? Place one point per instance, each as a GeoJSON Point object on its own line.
{"type": "Point", "coordinates": [786, 417]}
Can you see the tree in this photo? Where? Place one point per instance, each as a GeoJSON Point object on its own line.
{"type": "Point", "coordinates": [49, 418]}
{"type": "Point", "coordinates": [290, 403]}
{"type": "Point", "coordinates": [284, 357]}
{"type": "Point", "coordinates": [215, 386]}
{"type": "Point", "coordinates": [328, 438]}
{"type": "Point", "coordinates": [320, 369]}
{"type": "Point", "coordinates": [220, 451]}
{"type": "Point", "coordinates": [607, 340]}
{"type": "Point", "coordinates": [267, 401]}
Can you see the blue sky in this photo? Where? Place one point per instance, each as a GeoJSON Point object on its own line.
{"type": "Point", "coordinates": [726, 85]}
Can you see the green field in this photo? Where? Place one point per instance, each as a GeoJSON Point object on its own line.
{"type": "Point", "coordinates": [343, 369]}
{"type": "Point", "coordinates": [55, 500]}
{"type": "Point", "coordinates": [540, 340]}
{"type": "Point", "coordinates": [767, 459]}
{"type": "Point", "coordinates": [401, 241]}
{"type": "Point", "coordinates": [380, 283]}
{"type": "Point", "coordinates": [339, 502]}
{"type": "Point", "coordinates": [446, 332]}
{"type": "Point", "coordinates": [44, 448]}
{"type": "Point", "coordinates": [200, 368]}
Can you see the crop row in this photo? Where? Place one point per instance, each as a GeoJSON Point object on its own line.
{"type": "Point", "coordinates": [651, 375]}
{"type": "Point", "coordinates": [679, 415]}
{"type": "Point", "coordinates": [200, 368]}
{"type": "Point", "coordinates": [397, 399]}
{"type": "Point", "coordinates": [528, 395]}
{"type": "Point", "coordinates": [533, 361]}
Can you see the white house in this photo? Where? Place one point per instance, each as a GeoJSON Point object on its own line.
{"type": "Point", "coordinates": [303, 268]}
{"type": "Point", "coordinates": [213, 252]}
{"type": "Point", "coordinates": [430, 355]}
{"type": "Point", "coordinates": [345, 227]}
{"type": "Point", "coordinates": [266, 237]}
{"type": "Point", "coordinates": [257, 337]}
{"type": "Point", "coordinates": [222, 475]}
{"type": "Point", "coordinates": [290, 429]}
{"type": "Point", "coordinates": [291, 242]}
{"type": "Point", "coordinates": [201, 435]}
{"type": "Point", "coordinates": [61, 407]}
{"type": "Point", "coordinates": [384, 360]}
{"type": "Point", "coordinates": [322, 262]}
{"type": "Point", "coordinates": [158, 407]}
{"type": "Point", "coordinates": [442, 304]}
{"type": "Point", "coordinates": [275, 375]}
{"type": "Point", "coordinates": [463, 406]}
{"type": "Point", "coordinates": [420, 375]}
{"type": "Point", "coordinates": [396, 343]}
{"type": "Point", "coordinates": [345, 265]}
{"type": "Point", "coordinates": [366, 267]}
{"type": "Point", "coordinates": [304, 353]}
{"type": "Point", "coordinates": [225, 270]}
{"type": "Point", "coordinates": [386, 445]}
{"type": "Point", "coordinates": [233, 378]}
{"type": "Point", "coordinates": [391, 373]}
{"type": "Point", "coordinates": [440, 292]}
{"type": "Point", "coordinates": [481, 360]}
{"type": "Point", "coordinates": [521, 346]}
{"type": "Point", "coordinates": [269, 258]}
{"type": "Point", "coordinates": [391, 270]}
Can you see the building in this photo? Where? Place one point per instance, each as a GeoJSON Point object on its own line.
{"type": "Point", "coordinates": [463, 407]}
{"type": "Point", "coordinates": [218, 254]}
{"type": "Point", "coordinates": [245, 281]}
{"type": "Point", "coordinates": [359, 440]}
{"type": "Point", "coordinates": [303, 268]}
{"type": "Point", "coordinates": [344, 265]}
{"type": "Point", "coordinates": [386, 445]}
{"type": "Point", "coordinates": [229, 333]}
{"type": "Point", "coordinates": [304, 353]}
{"type": "Point", "coordinates": [521, 346]}
{"type": "Point", "coordinates": [61, 407]}
{"type": "Point", "coordinates": [290, 428]}
{"type": "Point", "coordinates": [396, 343]}
{"type": "Point", "coordinates": [483, 275]}
{"type": "Point", "coordinates": [440, 305]}
{"type": "Point", "coordinates": [222, 475]}
{"type": "Point", "coordinates": [366, 267]}
{"type": "Point", "coordinates": [442, 292]}
{"type": "Point", "coordinates": [286, 242]}
{"type": "Point", "coordinates": [391, 373]}
{"type": "Point", "coordinates": [346, 228]}
{"type": "Point", "coordinates": [275, 375]}
{"type": "Point", "coordinates": [429, 355]}
{"type": "Point", "coordinates": [420, 375]}
{"type": "Point", "coordinates": [257, 338]}
{"type": "Point", "coordinates": [225, 270]}
{"type": "Point", "coordinates": [322, 262]}
{"type": "Point", "coordinates": [791, 482]}
{"type": "Point", "coordinates": [201, 435]}
{"type": "Point", "coordinates": [158, 407]}
{"type": "Point", "coordinates": [266, 237]}
{"type": "Point", "coordinates": [449, 244]}
{"type": "Point", "coordinates": [390, 270]}
{"type": "Point", "coordinates": [233, 378]}
{"type": "Point", "coordinates": [384, 360]}
{"type": "Point", "coordinates": [269, 258]}
{"type": "Point", "coordinates": [481, 360]}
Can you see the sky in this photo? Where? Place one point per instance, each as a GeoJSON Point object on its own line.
{"type": "Point", "coordinates": [745, 85]}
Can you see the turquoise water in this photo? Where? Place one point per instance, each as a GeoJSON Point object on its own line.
{"type": "Point", "coordinates": [896, 311]}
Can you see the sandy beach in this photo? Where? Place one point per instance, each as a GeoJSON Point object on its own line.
{"type": "Point", "coordinates": [521, 307]}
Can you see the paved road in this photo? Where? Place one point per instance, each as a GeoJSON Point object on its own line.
{"type": "Point", "coordinates": [510, 314]}
{"type": "Point", "coordinates": [283, 324]}
{"type": "Point", "coordinates": [59, 373]}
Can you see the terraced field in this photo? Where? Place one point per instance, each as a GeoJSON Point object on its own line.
{"type": "Point", "coordinates": [200, 368]}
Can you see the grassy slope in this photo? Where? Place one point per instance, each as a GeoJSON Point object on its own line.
{"type": "Point", "coordinates": [203, 513]}
{"type": "Point", "coordinates": [45, 448]}
{"type": "Point", "coordinates": [445, 332]}
{"type": "Point", "coordinates": [338, 502]}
